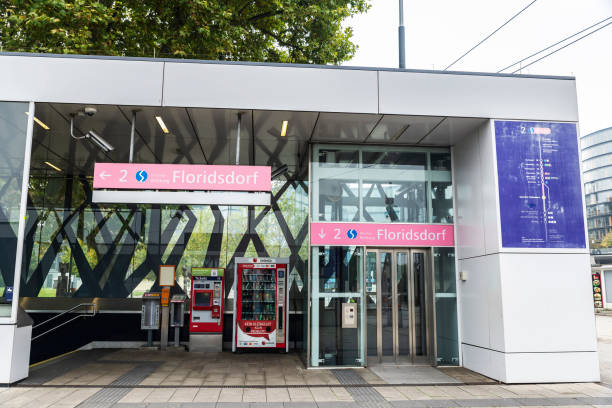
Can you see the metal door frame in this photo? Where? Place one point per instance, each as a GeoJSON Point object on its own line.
{"type": "Point", "coordinates": [428, 294]}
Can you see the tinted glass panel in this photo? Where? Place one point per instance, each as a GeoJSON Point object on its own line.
{"type": "Point", "coordinates": [13, 126]}
{"type": "Point", "coordinates": [395, 159]}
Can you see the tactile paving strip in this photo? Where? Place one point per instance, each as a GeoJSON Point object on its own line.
{"type": "Point", "coordinates": [365, 396]}
{"type": "Point", "coordinates": [110, 395]}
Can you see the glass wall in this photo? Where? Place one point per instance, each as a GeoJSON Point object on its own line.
{"type": "Point", "coordinates": [337, 279]}
{"type": "Point", "coordinates": [382, 184]}
{"type": "Point", "coordinates": [445, 296]}
{"type": "Point", "coordinates": [76, 248]}
{"type": "Point", "coordinates": [13, 134]}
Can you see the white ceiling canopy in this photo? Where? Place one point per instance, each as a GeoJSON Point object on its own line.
{"type": "Point", "coordinates": [208, 136]}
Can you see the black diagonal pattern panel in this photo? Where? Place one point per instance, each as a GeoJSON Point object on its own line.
{"type": "Point", "coordinates": [74, 247]}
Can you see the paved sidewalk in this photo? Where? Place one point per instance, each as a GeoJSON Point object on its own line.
{"type": "Point", "coordinates": [145, 379]}
{"type": "Point", "coordinates": [604, 346]}
{"type": "Point", "coordinates": [537, 395]}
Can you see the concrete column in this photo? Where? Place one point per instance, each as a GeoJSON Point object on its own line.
{"type": "Point", "coordinates": [526, 314]}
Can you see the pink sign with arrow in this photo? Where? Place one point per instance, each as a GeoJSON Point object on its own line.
{"type": "Point", "coordinates": [371, 234]}
{"type": "Point", "coordinates": [181, 177]}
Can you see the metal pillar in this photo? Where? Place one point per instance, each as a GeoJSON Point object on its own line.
{"type": "Point", "coordinates": [163, 341]}
{"type": "Point", "coordinates": [132, 136]}
{"type": "Point", "coordinates": [402, 36]}
{"type": "Point", "coordinates": [238, 139]}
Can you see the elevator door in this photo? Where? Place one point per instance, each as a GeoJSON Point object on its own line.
{"type": "Point", "coordinates": [398, 283]}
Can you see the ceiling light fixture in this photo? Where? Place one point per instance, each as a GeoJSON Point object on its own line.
{"type": "Point", "coordinates": [162, 125]}
{"type": "Point", "coordinates": [284, 128]}
{"type": "Point", "coordinates": [40, 122]}
{"type": "Point", "coordinates": [54, 167]}
{"type": "Point", "coordinates": [401, 132]}
{"type": "Point", "coordinates": [98, 140]}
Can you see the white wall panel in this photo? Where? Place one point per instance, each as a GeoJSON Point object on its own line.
{"type": "Point", "coordinates": [468, 198]}
{"type": "Point", "coordinates": [552, 367]}
{"type": "Point", "coordinates": [481, 303]}
{"type": "Point", "coordinates": [548, 304]}
{"type": "Point", "coordinates": [80, 80]}
{"type": "Point", "coordinates": [488, 362]}
{"type": "Point", "coordinates": [490, 196]}
{"type": "Point", "coordinates": [270, 87]}
{"type": "Point", "coordinates": [20, 364]}
{"type": "Point", "coordinates": [477, 96]}
{"type": "Point", "coordinates": [7, 337]}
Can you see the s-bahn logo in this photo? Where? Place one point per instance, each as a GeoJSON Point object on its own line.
{"type": "Point", "coordinates": [141, 176]}
{"type": "Point", "coordinates": [352, 233]}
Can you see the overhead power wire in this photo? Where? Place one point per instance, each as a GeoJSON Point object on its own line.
{"type": "Point", "coordinates": [565, 46]}
{"type": "Point", "coordinates": [557, 43]}
{"type": "Point", "coordinates": [490, 35]}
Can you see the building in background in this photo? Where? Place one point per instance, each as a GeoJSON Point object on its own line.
{"type": "Point", "coordinates": [597, 174]}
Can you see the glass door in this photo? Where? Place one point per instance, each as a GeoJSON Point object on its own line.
{"type": "Point", "coordinates": [399, 317]}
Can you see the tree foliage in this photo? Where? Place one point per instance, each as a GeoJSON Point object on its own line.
{"type": "Point", "coordinates": [298, 31]}
{"type": "Point", "coordinates": [606, 241]}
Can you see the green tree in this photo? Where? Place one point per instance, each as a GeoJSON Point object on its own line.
{"type": "Point", "coordinates": [606, 241]}
{"type": "Point", "coordinates": [297, 31]}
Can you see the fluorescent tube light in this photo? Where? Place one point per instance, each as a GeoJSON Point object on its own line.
{"type": "Point", "coordinates": [284, 128]}
{"type": "Point", "coordinates": [162, 125]}
{"type": "Point", "coordinates": [99, 140]}
{"type": "Point", "coordinates": [40, 122]}
{"type": "Point", "coordinates": [53, 166]}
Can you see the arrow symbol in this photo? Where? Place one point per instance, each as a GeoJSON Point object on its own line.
{"type": "Point", "coordinates": [322, 234]}
{"type": "Point", "coordinates": [104, 175]}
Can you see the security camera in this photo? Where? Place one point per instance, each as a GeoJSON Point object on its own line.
{"type": "Point", "coordinates": [90, 110]}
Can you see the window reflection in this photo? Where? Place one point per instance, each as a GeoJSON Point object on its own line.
{"type": "Point", "coordinates": [394, 202]}
{"type": "Point", "coordinates": [442, 202]}
{"type": "Point", "coordinates": [382, 184]}
{"type": "Point", "coordinates": [338, 200]}
{"type": "Point", "coordinates": [395, 159]}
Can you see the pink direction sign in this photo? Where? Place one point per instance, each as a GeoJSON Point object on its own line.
{"type": "Point", "coordinates": [340, 233]}
{"type": "Point", "coordinates": [181, 177]}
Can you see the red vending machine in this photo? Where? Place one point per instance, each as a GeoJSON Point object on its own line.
{"type": "Point", "coordinates": [261, 299]}
{"type": "Point", "coordinates": [206, 309]}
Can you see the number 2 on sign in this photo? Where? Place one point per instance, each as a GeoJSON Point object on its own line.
{"type": "Point", "coordinates": [123, 176]}
{"type": "Point", "coordinates": [337, 231]}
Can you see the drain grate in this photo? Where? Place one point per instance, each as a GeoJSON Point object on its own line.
{"type": "Point", "coordinates": [367, 397]}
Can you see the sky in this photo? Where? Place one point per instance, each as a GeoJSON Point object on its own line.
{"type": "Point", "coordinates": [439, 31]}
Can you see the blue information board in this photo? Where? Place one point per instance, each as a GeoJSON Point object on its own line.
{"type": "Point", "coordinates": [540, 195]}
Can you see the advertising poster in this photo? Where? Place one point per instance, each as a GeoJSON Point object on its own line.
{"type": "Point", "coordinates": [540, 196]}
{"type": "Point", "coordinates": [597, 296]}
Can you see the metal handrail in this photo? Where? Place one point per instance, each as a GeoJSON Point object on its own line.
{"type": "Point", "coordinates": [93, 313]}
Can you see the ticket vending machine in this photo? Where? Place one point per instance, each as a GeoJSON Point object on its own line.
{"type": "Point", "coordinates": [206, 309]}
{"type": "Point", "coordinates": [261, 299]}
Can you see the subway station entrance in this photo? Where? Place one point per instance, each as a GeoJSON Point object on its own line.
{"type": "Point", "coordinates": [379, 187]}
{"type": "Point", "coordinates": [398, 287]}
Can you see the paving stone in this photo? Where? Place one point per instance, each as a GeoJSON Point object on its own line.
{"type": "Point", "coordinates": [198, 405]}
{"type": "Point", "coordinates": [299, 404]}
{"type": "Point", "coordinates": [594, 400]}
{"type": "Point", "coordinates": [230, 395]}
{"type": "Point", "coordinates": [266, 405]}
{"type": "Point", "coordinates": [232, 405]}
{"type": "Point", "coordinates": [500, 402]}
{"type": "Point", "coordinates": [374, 404]}
{"type": "Point", "coordinates": [337, 404]}
{"type": "Point", "coordinates": [129, 405]}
